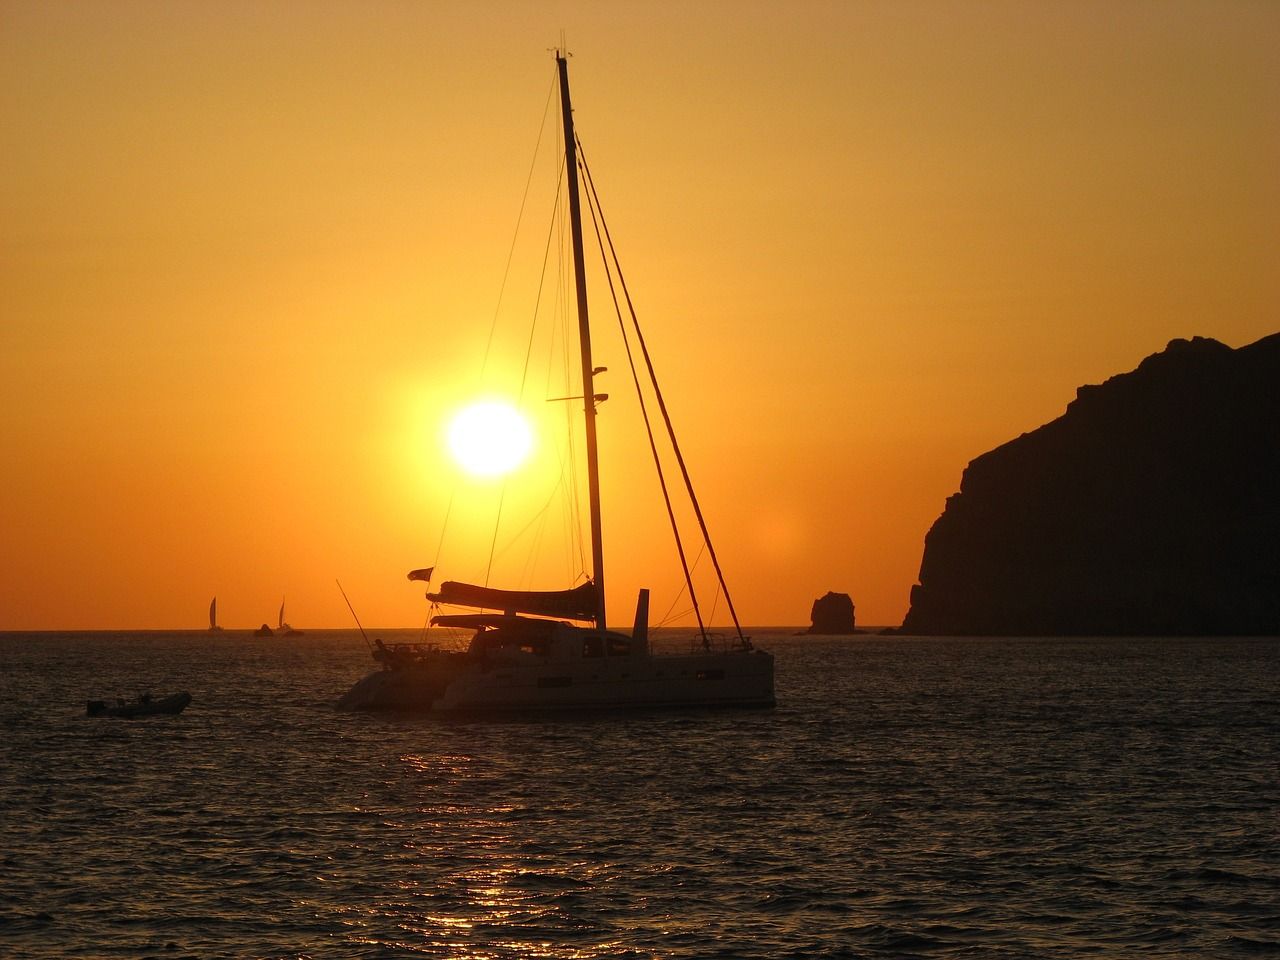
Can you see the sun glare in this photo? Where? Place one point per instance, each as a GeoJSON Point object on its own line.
{"type": "Point", "coordinates": [489, 439]}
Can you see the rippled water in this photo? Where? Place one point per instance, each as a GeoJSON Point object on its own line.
{"type": "Point", "coordinates": [942, 798]}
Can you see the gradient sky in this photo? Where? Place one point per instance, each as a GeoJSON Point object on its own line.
{"type": "Point", "coordinates": [250, 254]}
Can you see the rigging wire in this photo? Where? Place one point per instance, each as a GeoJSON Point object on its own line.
{"type": "Point", "coordinates": [567, 454]}
{"type": "Point", "coordinates": [715, 603]}
{"type": "Point", "coordinates": [592, 201]}
{"type": "Point", "coordinates": [524, 375]}
{"type": "Point", "coordinates": [535, 548]}
{"type": "Point", "coordinates": [353, 613]}
{"type": "Point", "coordinates": [525, 529]}
{"type": "Point", "coordinates": [497, 310]}
{"type": "Point", "coordinates": [565, 296]}
{"type": "Point", "coordinates": [542, 279]}
{"type": "Point", "coordinates": [519, 219]}
{"type": "Point", "coordinates": [670, 614]}
{"type": "Point", "coordinates": [448, 511]}
{"type": "Point", "coordinates": [662, 406]}
{"type": "Point", "coordinates": [554, 352]}
{"type": "Point", "coordinates": [497, 523]}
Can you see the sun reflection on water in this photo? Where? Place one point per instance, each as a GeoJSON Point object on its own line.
{"type": "Point", "coordinates": [486, 884]}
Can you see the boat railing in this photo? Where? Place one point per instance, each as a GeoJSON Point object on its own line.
{"type": "Point", "coordinates": [719, 643]}
{"type": "Point", "coordinates": [403, 654]}
{"type": "Point", "coordinates": [415, 647]}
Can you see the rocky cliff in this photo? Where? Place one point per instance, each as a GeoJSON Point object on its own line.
{"type": "Point", "coordinates": [1151, 507]}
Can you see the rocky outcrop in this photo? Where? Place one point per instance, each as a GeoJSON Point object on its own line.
{"type": "Point", "coordinates": [1151, 507]}
{"type": "Point", "coordinates": [832, 615]}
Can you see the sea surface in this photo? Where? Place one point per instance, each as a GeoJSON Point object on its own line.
{"type": "Point", "coordinates": [944, 798]}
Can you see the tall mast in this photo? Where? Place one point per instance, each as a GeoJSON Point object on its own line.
{"type": "Point", "coordinates": [584, 337]}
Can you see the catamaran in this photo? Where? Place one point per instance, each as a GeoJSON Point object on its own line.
{"type": "Point", "coordinates": [283, 629]}
{"type": "Point", "coordinates": [553, 650]}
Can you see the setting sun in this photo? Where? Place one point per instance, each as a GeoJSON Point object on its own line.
{"type": "Point", "coordinates": [490, 438]}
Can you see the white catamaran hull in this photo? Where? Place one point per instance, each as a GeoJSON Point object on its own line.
{"type": "Point", "coordinates": [739, 679]}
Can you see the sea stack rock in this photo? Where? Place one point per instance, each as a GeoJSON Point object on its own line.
{"type": "Point", "coordinates": [1151, 507]}
{"type": "Point", "coordinates": [832, 615]}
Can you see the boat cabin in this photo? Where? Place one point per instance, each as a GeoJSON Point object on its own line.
{"type": "Point", "coordinates": [508, 636]}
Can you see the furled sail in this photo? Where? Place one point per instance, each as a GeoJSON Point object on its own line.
{"type": "Point", "coordinates": [576, 604]}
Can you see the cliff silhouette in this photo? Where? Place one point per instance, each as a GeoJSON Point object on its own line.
{"type": "Point", "coordinates": [1150, 507]}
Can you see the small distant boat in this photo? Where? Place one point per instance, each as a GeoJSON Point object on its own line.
{"type": "Point", "coordinates": [213, 616]}
{"type": "Point", "coordinates": [143, 706]}
{"type": "Point", "coordinates": [264, 631]}
{"type": "Point", "coordinates": [282, 627]}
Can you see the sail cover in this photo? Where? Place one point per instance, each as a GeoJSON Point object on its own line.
{"type": "Point", "coordinates": [576, 604]}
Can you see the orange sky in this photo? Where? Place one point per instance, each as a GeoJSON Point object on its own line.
{"type": "Point", "coordinates": [250, 253]}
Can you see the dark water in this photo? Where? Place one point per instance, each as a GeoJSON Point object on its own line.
{"type": "Point", "coordinates": [935, 798]}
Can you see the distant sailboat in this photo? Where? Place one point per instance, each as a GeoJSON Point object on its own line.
{"type": "Point", "coordinates": [213, 616]}
{"type": "Point", "coordinates": [282, 628]}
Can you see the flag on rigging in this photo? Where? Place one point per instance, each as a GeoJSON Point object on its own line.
{"type": "Point", "coordinates": [423, 574]}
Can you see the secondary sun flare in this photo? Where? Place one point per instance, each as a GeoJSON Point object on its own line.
{"type": "Point", "coordinates": [490, 438]}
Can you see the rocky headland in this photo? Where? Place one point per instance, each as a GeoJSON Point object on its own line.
{"type": "Point", "coordinates": [1150, 507]}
